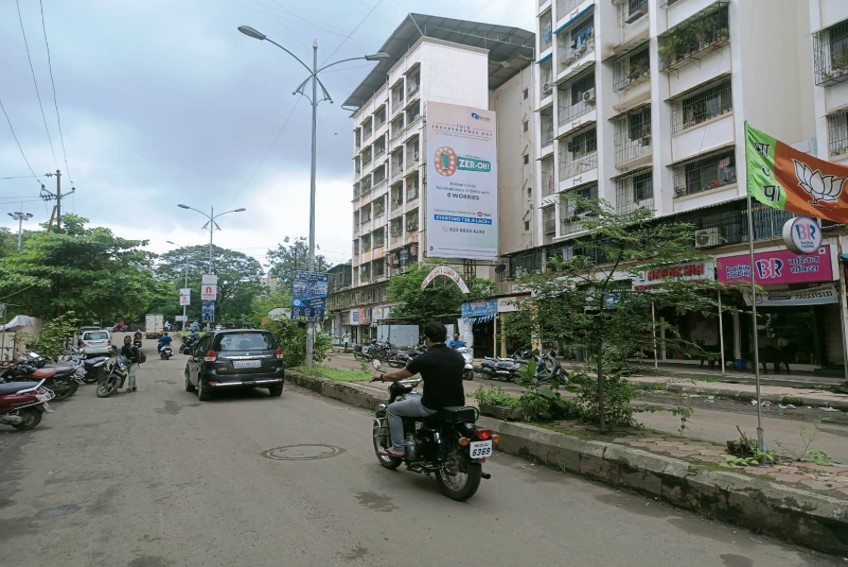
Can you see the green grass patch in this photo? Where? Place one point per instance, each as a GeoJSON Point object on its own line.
{"type": "Point", "coordinates": [338, 374]}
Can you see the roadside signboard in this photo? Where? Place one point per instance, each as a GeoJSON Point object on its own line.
{"type": "Point", "coordinates": [208, 291]}
{"type": "Point", "coordinates": [185, 296]}
{"type": "Point", "coordinates": [309, 296]}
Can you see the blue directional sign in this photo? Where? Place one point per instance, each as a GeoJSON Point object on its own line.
{"type": "Point", "coordinates": [309, 297]}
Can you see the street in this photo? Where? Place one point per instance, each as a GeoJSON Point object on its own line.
{"type": "Point", "coordinates": [157, 478]}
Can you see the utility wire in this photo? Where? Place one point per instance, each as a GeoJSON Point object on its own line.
{"type": "Point", "coordinates": [15, 136]}
{"type": "Point", "coordinates": [53, 84]}
{"type": "Point", "coordinates": [18, 177]}
{"type": "Point", "coordinates": [35, 83]}
{"type": "Point", "coordinates": [356, 27]}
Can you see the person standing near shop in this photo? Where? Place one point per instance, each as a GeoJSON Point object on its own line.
{"type": "Point", "coordinates": [130, 351]}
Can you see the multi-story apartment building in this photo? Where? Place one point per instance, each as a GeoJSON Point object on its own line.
{"type": "Point", "coordinates": [643, 103]}
{"type": "Point", "coordinates": [433, 59]}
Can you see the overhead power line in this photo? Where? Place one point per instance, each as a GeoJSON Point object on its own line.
{"type": "Point", "coordinates": [35, 83]}
{"type": "Point", "coordinates": [356, 27]}
{"type": "Point", "coordinates": [17, 141]}
{"type": "Point", "coordinates": [53, 84]}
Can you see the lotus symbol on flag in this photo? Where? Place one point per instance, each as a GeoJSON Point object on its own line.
{"type": "Point", "coordinates": [820, 187]}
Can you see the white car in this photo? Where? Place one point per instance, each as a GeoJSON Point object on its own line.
{"type": "Point", "coordinates": [96, 342]}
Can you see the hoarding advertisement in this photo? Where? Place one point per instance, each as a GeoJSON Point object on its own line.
{"type": "Point", "coordinates": [462, 182]}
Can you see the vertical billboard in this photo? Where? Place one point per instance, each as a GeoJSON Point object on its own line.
{"type": "Point", "coordinates": [462, 182]}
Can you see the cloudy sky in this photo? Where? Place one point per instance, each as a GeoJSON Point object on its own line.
{"type": "Point", "coordinates": [164, 102]}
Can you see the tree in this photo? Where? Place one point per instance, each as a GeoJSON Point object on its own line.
{"type": "Point", "coordinates": [266, 301]}
{"type": "Point", "coordinates": [89, 271]}
{"type": "Point", "coordinates": [292, 256]}
{"type": "Point", "coordinates": [442, 297]}
{"type": "Point", "coordinates": [239, 280]}
{"type": "Point", "coordinates": [589, 301]}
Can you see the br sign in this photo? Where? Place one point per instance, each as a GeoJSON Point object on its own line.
{"type": "Point", "coordinates": [802, 235]}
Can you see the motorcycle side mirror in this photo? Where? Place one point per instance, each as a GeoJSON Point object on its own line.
{"type": "Point", "coordinates": [377, 364]}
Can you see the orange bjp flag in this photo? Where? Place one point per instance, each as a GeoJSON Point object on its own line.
{"type": "Point", "coordinates": [784, 178]}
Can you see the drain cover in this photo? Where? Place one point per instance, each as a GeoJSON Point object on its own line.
{"type": "Point", "coordinates": [302, 452]}
{"type": "Point", "coordinates": [58, 511]}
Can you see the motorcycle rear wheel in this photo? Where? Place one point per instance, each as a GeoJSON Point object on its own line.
{"type": "Point", "coordinates": [459, 478]}
{"type": "Point", "coordinates": [107, 387]}
{"type": "Point", "coordinates": [31, 418]}
{"type": "Point", "coordinates": [65, 390]}
{"type": "Point", "coordinates": [382, 442]}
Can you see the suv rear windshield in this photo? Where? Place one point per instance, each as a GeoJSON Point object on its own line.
{"type": "Point", "coordinates": [245, 341]}
{"type": "Point", "coordinates": [96, 335]}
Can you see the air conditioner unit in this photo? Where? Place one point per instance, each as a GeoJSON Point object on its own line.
{"type": "Point", "coordinates": [707, 237]}
{"type": "Point", "coordinates": [547, 88]}
{"type": "Point", "coordinates": [589, 96]}
{"type": "Point", "coordinates": [415, 156]}
{"type": "Point", "coordinates": [646, 140]}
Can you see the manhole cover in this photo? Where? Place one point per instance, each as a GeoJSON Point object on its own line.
{"type": "Point", "coordinates": [58, 511]}
{"type": "Point", "coordinates": [302, 452]}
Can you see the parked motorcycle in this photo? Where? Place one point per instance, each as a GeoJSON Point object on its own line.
{"type": "Point", "coordinates": [117, 371]}
{"type": "Point", "coordinates": [23, 403]}
{"type": "Point", "coordinates": [447, 443]}
{"type": "Point", "coordinates": [468, 369]}
{"type": "Point", "coordinates": [545, 375]}
{"type": "Point", "coordinates": [166, 352]}
{"type": "Point", "coordinates": [62, 379]}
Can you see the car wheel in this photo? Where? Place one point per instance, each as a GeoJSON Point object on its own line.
{"type": "Point", "coordinates": [275, 391]}
{"type": "Point", "coordinates": [188, 385]}
{"type": "Point", "coordinates": [203, 392]}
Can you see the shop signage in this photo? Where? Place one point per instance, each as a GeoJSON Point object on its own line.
{"type": "Point", "coordinates": [479, 308]}
{"type": "Point", "coordinates": [364, 316]}
{"type": "Point", "coordinates": [802, 235]}
{"type": "Point", "coordinates": [819, 295]}
{"type": "Point", "coordinates": [693, 271]}
{"type": "Point", "coordinates": [354, 317]}
{"type": "Point", "coordinates": [509, 304]}
{"type": "Point", "coordinates": [777, 267]}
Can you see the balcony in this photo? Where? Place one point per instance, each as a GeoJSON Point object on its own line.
{"type": "Point", "coordinates": [692, 39]}
{"type": "Point", "coordinates": [546, 130]}
{"type": "Point", "coordinates": [548, 181]}
{"type": "Point", "coordinates": [411, 193]}
{"type": "Point", "coordinates": [631, 69]}
{"type": "Point", "coordinates": [707, 173]}
{"type": "Point", "coordinates": [837, 134]}
{"type": "Point", "coordinates": [830, 55]}
{"type": "Point", "coordinates": [634, 191]}
{"type": "Point", "coordinates": [397, 167]}
{"type": "Point", "coordinates": [577, 165]}
{"type": "Point", "coordinates": [633, 135]}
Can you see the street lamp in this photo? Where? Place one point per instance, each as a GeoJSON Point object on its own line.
{"type": "Point", "coordinates": [211, 224]}
{"type": "Point", "coordinates": [20, 216]}
{"type": "Point", "coordinates": [185, 284]}
{"type": "Point", "coordinates": [315, 82]}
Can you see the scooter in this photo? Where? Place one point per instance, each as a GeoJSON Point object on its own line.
{"type": "Point", "coordinates": [166, 352]}
{"type": "Point", "coordinates": [468, 369]}
{"type": "Point", "coordinates": [23, 403]}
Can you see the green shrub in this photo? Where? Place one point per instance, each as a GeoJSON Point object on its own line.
{"type": "Point", "coordinates": [496, 396]}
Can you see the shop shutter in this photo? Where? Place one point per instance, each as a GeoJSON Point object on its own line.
{"type": "Point", "coordinates": [833, 353]}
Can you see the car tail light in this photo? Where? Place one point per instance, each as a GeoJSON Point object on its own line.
{"type": "Point", "coordinates": [211, 356]}
{"type": "Point", "coordinates": [483, 434]}
{"type": "Point", "coordinates": [82, 343]}
{"type": "Point", "coordinates": [108, 342]}
{"type": "Point", "coordinates": [279, 353]}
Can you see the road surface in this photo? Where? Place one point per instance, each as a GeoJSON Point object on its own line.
{"type": "Point", "coordinates": [156, 478]}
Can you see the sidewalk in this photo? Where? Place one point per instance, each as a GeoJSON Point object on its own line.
{"type": "Point", "coordinates": [805, 503]}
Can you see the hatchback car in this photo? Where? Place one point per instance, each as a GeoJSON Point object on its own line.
{"type": "Point", "coordinates": [236, 358]}
{"type": "Point", "coordinates": [96, 342]}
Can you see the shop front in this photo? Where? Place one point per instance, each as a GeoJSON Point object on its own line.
{"type": "Point", "coordinates": [798, 313]}
{"type": "Point", "coordinates": [485, 319]}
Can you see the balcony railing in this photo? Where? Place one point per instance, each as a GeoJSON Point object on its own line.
{"type": "Point", "coordinates": [705, 174]}
{"type": "Point", "coordinates": [631, 69]}
{"type": "Point", "coordinates": [577, 165]}
{"type": "Point", "coordinates": [548, 183]}
{"type": "Point", "coordinates": [701, 106]}
{"type": "Point", "coordinates": [547, 131]}
{"type": "Point", "coordinates": [571, 55]}
{"type": "Point", "coordinates": [569, 112]}
{"type": "Point", "coordinates": [634, 191]}
{"type": "Point", "coordinates": [830, 55]}
{"type": "Point", "coordinates": [692, 39]}
{"type": "Point", "coordinates": [837, 133]}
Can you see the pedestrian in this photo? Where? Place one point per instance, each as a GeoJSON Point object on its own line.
{"type": "Point", "coordinates": [130, 351]}
{"type": "Point", "coordinates": [456, 342]}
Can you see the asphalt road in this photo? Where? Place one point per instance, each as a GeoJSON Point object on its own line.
{"type": "Point", "coordinates": [156, 478]}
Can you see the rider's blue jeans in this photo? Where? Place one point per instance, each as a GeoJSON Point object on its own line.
{"type": "Point", "coordinates": [410, 407]}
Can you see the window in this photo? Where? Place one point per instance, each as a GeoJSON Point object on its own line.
{"type": "Point", "coordinates": [837, 133]}
{"type": "Point", "coordinates": [639, 123]}
{"type": "Point", "coordinates": [526, 125]}
{"type": "Point", "coordinates": [246, 342]}
{"type": "Point", "coordinates": [584, 143]}
{"type": "Point", "coordinates": [582, 33]}
{"type": "Point", "coordinates": [706, 173]}
{"type": "Point", "coordinates": [526, 93]}
{"type": "Point", "coordinates": [526, 159]}
{"type": "Point", "coordinates": [581, 86]}
{"type": "Point", "coordinates": [830, 49]}
{"type": "Point", "coordinates": [702, 105]}
{"type": "Point", "coordinates": [632, 68]}
{"type": "Point", "coordinates": [643, 186]}
{"type": "Point", "coordinates": [526, 225]}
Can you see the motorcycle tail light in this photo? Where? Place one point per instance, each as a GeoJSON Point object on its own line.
{"type": "Point", "coordinates": [483, 434]}
{"type": "Point", "coordinates": [211, 356]}
{"type": "Point", "coordinates": [279, 353]}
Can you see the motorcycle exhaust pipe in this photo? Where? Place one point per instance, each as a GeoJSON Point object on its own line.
{"type": "Point", "coordinates": [485, 475]}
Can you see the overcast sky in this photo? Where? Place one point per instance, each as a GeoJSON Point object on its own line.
{"type": "Point", "coordinates": [164, 102]}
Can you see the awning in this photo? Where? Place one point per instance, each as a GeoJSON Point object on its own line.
{"type": "Point", "coordinates": [571, 21]}
{"type": "Point", "coordinates": [19, 322]}
{"type": "Point", "coordinates": [480, 319]}
{"type": "Point", "coordinates": [545, 59]}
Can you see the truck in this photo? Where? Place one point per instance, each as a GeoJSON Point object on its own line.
{"type": "Point", "coordinates": [154, 325]}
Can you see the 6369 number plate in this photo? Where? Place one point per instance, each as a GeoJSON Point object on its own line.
{"type": "Point", "coordinates": [480, 449]}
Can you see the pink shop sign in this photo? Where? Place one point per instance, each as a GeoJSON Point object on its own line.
{"type": "Point", "coordinates": [777, 267]}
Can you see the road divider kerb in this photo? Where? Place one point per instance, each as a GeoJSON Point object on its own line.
{"type": "Point", "coordinates": [800, 516]}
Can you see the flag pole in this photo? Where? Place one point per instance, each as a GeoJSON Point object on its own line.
{"type": "Point", "coordinates": [721, 336]}
{"type": "Point", "coordinates": [761, 443]}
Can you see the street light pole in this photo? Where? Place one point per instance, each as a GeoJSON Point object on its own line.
{"type": "Point", "coordinates": [314, 101]}
{"type": "Point", "coordinates": [20, 216]}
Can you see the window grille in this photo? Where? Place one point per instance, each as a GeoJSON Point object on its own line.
{"type": "Point", "coordinates": [632, 68]}
{"type": "Point", "coordinates": [634, 191]}
{"type": "Point", "coordinates": [633, 134]}
{"type": "Point", "coordinates": [571, 212]}
{"type": "Point", "coordinates": [577, 98]}
{"type": "Point", "coordinates": [695, 37]}
{"type": "Point", "coordinates": [706, 173]}
{"type": "Point", "coordinates": [581, 41]}
{"type": "Point", "coordinates": [837, 133]}
{"type": "Point", "coordinates": [702, 105]}
{"type": "Point", "coordinates": [578, 153]}
{"type": "Point", "coordinates": [830, 54]}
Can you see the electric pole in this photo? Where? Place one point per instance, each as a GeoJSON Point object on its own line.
{"type": "Point", "coordinates": [20, 216]}
{"type": "Point", "coordinates": [49, 196]}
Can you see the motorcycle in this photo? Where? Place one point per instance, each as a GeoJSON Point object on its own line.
{"type": "Point", "coordinates": [23, 403]}
{"type": "Point", "coordinates": [468, 369]}
{"type": "Point", "coordinates": [188, 344]}
{"type": "Point", "coordinates": [90, 370]}
{"type": "Point", "coordinates": [63, 380]}
{"type": "Point", "coordinates": [555, 374]}
{"type": "Point", "coordinates": [117, 371]}
{"type": "Point", "coordinates": [166, 352]}
{"type": "Point", "coordinates": [447, 443]}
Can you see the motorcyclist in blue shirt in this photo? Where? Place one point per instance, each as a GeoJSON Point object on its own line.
{"type": "Point", "coordinates": [163, 340]}
{"type": "Point", "coordinates": [455, 343]}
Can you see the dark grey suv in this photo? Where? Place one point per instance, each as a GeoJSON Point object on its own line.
{"type": "Point", "coordinates": [236, 358]}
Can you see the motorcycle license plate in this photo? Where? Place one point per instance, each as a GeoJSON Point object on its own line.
{"type": "Point", "coordinates": [247, 363]}
{"type": "Point", "coordinates": [480, 449]}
